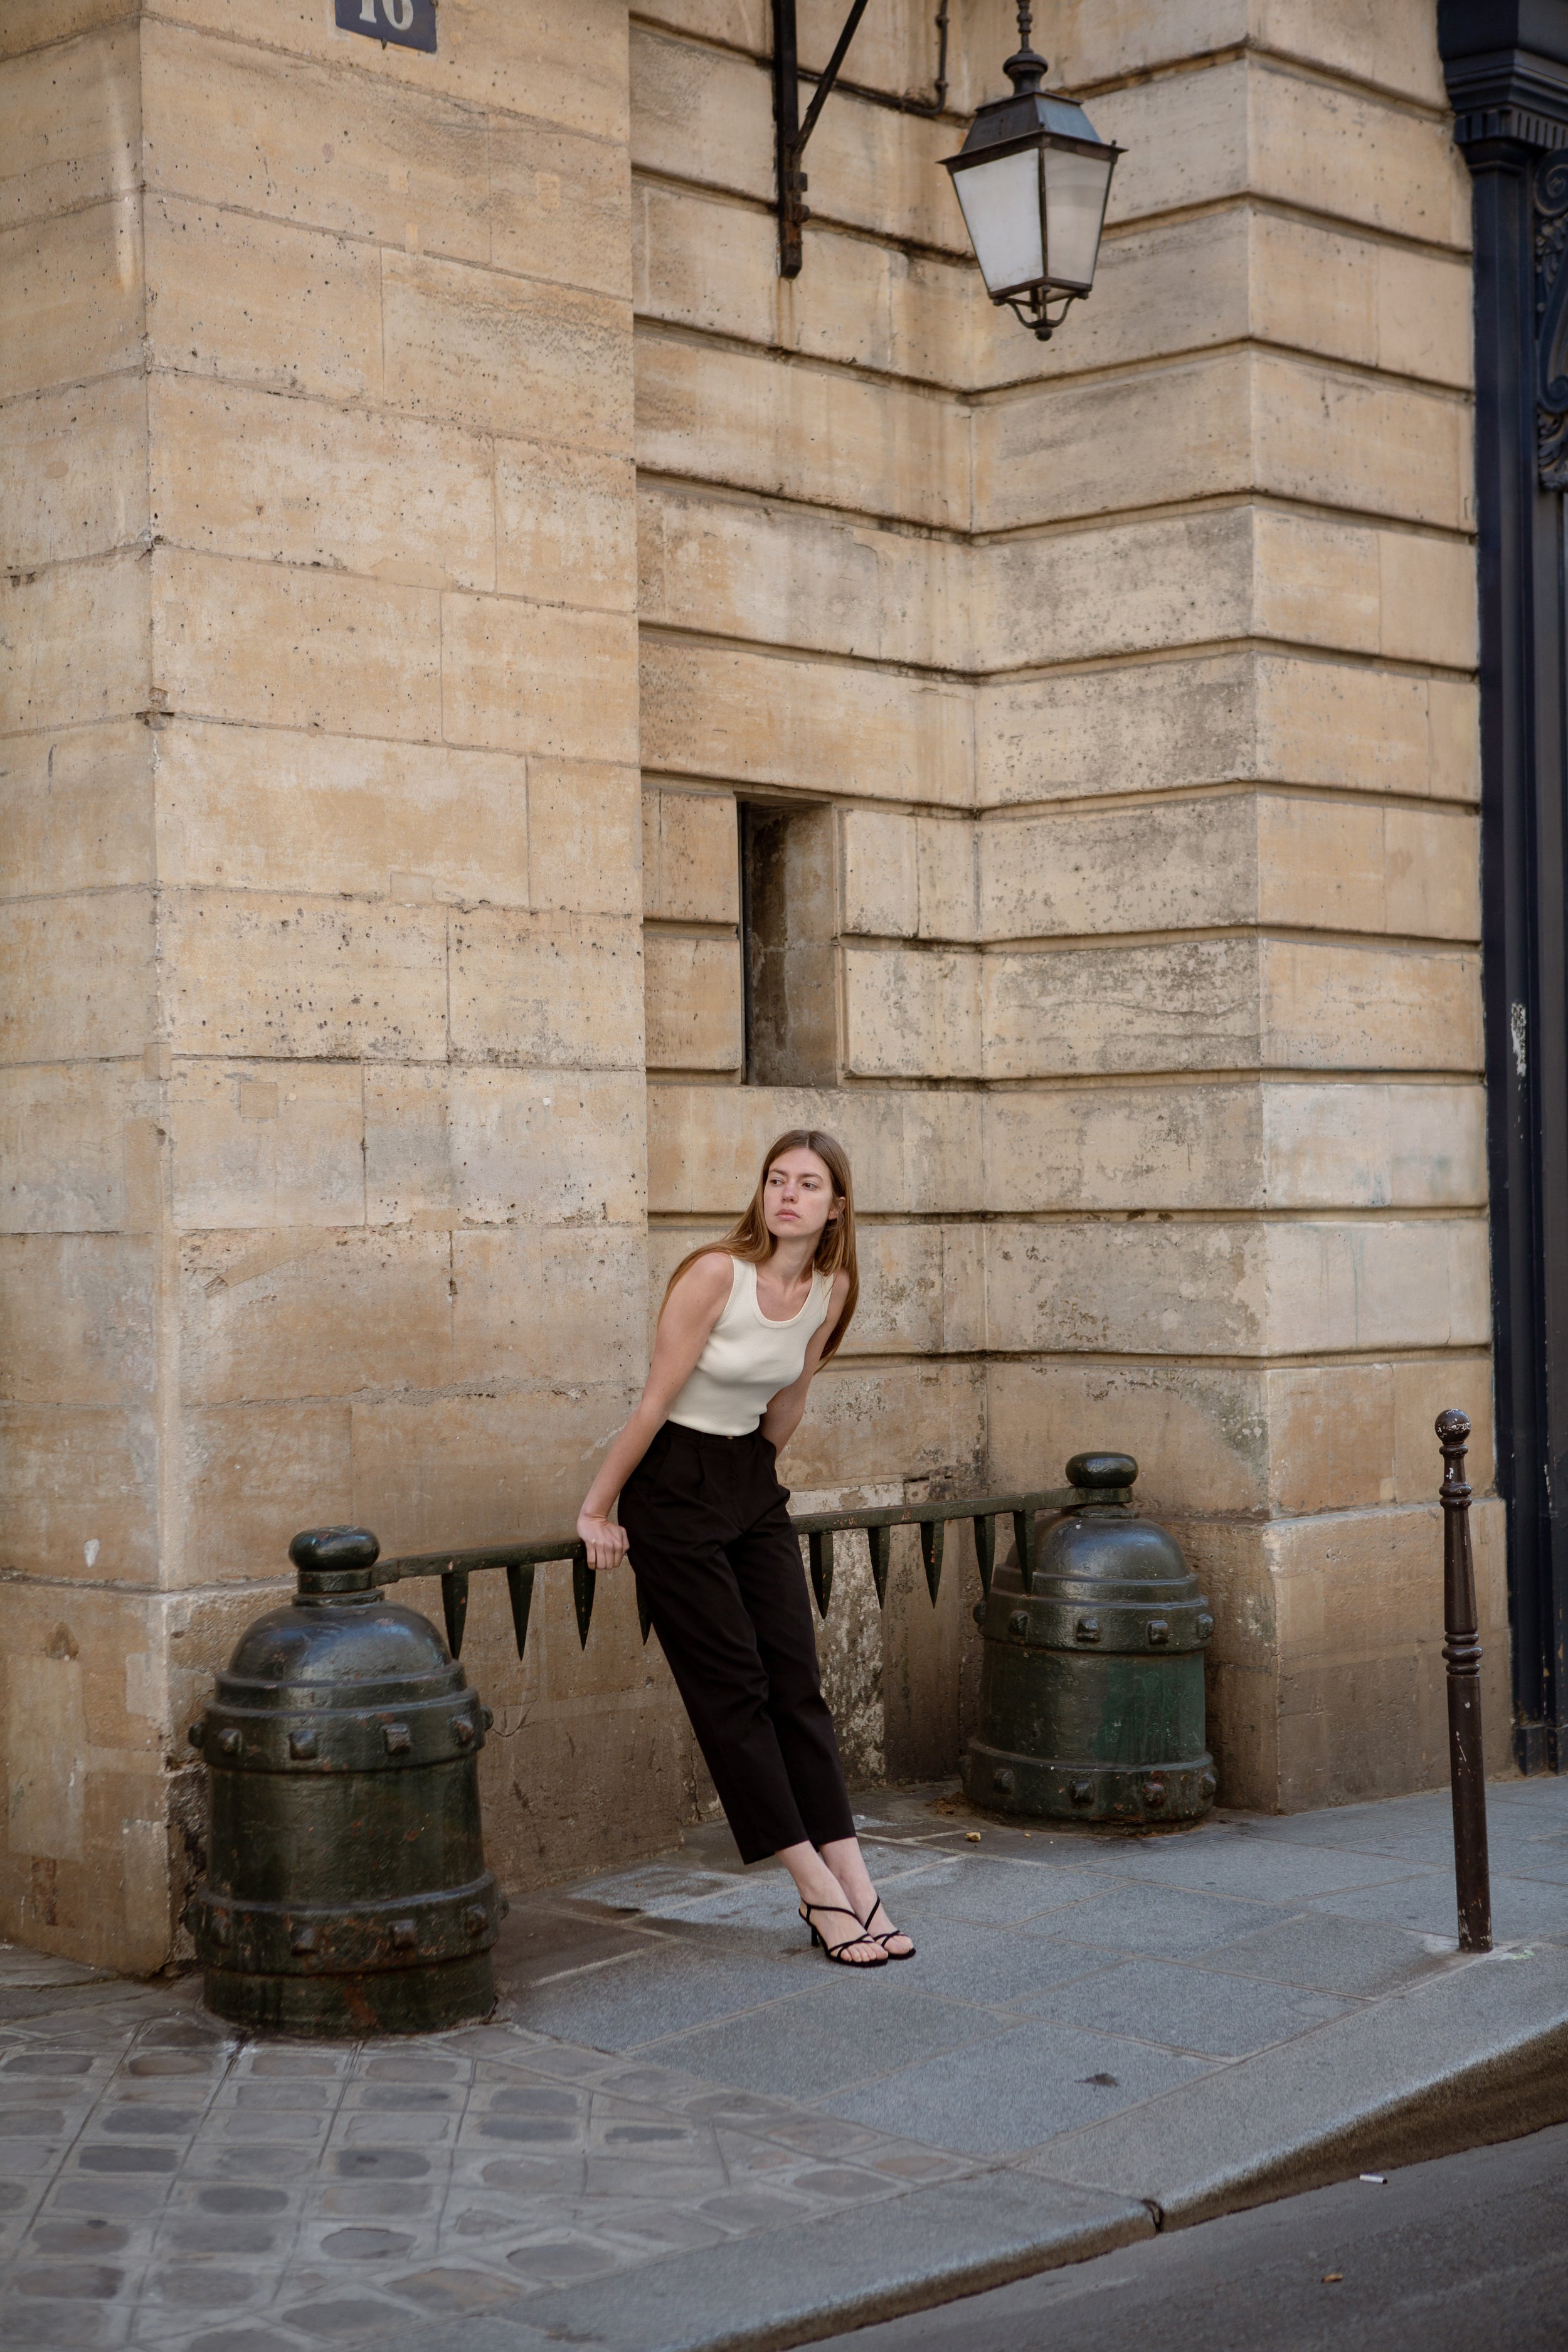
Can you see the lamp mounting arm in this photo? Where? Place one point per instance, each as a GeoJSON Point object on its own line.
{"type": "Point", "coordinates": [791, 134]}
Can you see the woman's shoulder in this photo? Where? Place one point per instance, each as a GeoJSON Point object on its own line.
{"type": "Point", "coordinates": [837, 1285]}
{"type": "Point", "coordinates": [708, 1278]}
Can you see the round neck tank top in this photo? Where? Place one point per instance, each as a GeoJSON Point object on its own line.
{"type": "Point", "coordinates": [748, 1358]}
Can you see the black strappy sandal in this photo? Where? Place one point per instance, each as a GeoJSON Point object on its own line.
{"type": "Point", "coordinates": [835, 1951]}
{"type": "Point", "coordinates": [887, 1934]}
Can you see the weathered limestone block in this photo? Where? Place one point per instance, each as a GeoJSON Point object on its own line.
{"type": "Point", "coordinates": [260, 974]}
{"type": "Point", "coordinates": [909, 876]}
{"type": "Point", "coordinates": [1226, 718]}
{"type": "Point", "coordinates": [77, 977]}
{"type": "Point", "coordinates": [584, 838]}
{"type": "Point", "coordinates": [73, 473]}
{"type": "Point", "coordinates": [97, 1687]}
{"type": "Point", "coordinates": [270, 1144]}
{"type": "Point", "coordinates": [1249, 125]}
{"type": "Point", "coordinates": [690, 860]}
{"type": "Point", "coordinates": [824, 727]}
{"type": "Point", "coordinates": [516, 55]}
{"type": "Point", "coordinates": [274, 809]}
{"type": "Point", "coordinates": [1352, 1007]}
{"type": "Point", "coordinates": [506, 354]}
{"type": "Point", "coordinates": [521, 677]}
{"type": "Point", "coordinates": [72, 120]}
{"type": "Point", "coordinates": [1381, 305]}
{"type": "Point", "coordinates": [252, 1475]}
{"type": "Point", "coordinates": [560, 206]}
{"type": "Point", "coordinates": [1237, 572]}
{"type": "Point", "coordinates": [71, 297]}
{"type": "Point", "coordinates": [1245, 1441]}
{"type": "Point", "coordinates": [1207, 1287]}
{"type": "Point", "coordinates": [695, 1010]}
{"type": "Point", "coordinates": [474, 1469]}
{"type": "Point", "coordinates": [242, 124]}
{"type": "Point", "coordinates": [264, 643]}
{"type": "Point", "coordinates": [815, 580]}
{"type": "Point", "coordinates": [704, 116]}
{"type": "Point", "coordinates": [1368, 1145]}
{"type": "Point", "coordinates": [262, 302]}
{"type": "Point", "coordinates": [899, 1423]}
{"type": "Point", "coordinates": [1187, 1004]}
{"type": "Point", "coordinates": [1394, 45]}
{"type": "Point", "coordinates": [556, 991]}
{"type": "Point", "coordinates": [1217, 1004]}
{"type": "Point", "coordinates": [364, 1310]}
{"type": "Point", "coordinates": [78, 1326]}
{"type": "Point", "coordinates": [566, 525]}
{"type": "Point", "coordinates": [567, 1300]}
{"type": "Point", "coordinates": [1309, 863]}
{"type": "Point", "coordinates": [704, 261]}
{"type": "Point", "coordinates": [80, 1494]}
{"type": "Point", "coordinates": [496, 1146]}
{"type": "Point", "coordinates": [1338, 1695]}
{"type": "Point", "coordinates": [76, 809]}
{"type": "Point", "coordinates": [73, 643]}
{"type": "Point", "coordinates": [815, 433]}
{"type": "Point", "coordinates": [1240, 421]}
{"type": "Point", "coordinates": [1245, 270]}
{"type": "Point", "coordinates": [911, 1016]}
{"type": "Point", "coordinates": [286, 480]}
{"type": "Point", "coordinates": [65, 1141]}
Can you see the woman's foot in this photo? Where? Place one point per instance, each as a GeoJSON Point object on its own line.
{"type": "Point", "coordinates": [846, 1861]}
{"type": "Point", "coordinates": [881, 1931]}
{"type": "Point", "coordinates": [820, 1890]}
{"type": "Point", "coordinates": [834, 1926]}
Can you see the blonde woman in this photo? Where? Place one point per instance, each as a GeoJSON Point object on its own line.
{"type": "Point", "coordinates": [745, 1325]}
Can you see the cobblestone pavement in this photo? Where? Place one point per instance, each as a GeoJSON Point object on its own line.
{"type": "Point", "coordinates": [679, 2121]}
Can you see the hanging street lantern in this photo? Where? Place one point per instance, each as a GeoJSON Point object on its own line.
{"type": "Point", "coordinates": [1033, 179]}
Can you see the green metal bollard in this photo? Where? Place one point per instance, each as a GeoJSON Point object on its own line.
{"type": "Point", "coordinates": [1091, 1693]}
{"type": "Point", "coordinates": [346, 1889]}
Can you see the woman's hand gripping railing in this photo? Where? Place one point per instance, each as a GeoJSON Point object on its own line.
{"type": "Point", "coordinates": [819, 1527]}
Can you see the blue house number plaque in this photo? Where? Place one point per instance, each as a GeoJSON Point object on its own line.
{"type": "Point", "coordinates": [410, 23]}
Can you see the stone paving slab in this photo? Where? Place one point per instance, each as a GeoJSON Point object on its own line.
{"type": "Point", "coordinates": [682, 2129]}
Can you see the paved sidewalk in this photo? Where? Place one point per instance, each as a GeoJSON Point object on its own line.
{"type": "Point", "coordinates": [682, 2129]}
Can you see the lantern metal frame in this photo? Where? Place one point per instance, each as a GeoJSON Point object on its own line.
{"type": "Point", "coordinates": [1034, 120]}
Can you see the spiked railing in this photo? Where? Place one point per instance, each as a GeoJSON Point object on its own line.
{"type": "Point", "coordinates": [519, 1560]}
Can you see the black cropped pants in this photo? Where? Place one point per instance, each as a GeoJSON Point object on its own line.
{"type": "Point", "coordinates": [718, 1565]}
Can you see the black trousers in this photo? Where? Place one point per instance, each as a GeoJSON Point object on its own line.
{"type": "Point", "coordinates": [719, 1566]}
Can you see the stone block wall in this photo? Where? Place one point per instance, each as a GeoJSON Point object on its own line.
{"type": "Point", "coordinates": [1137, 672]}
{"type": "Point", "coordinates": [435, 542]}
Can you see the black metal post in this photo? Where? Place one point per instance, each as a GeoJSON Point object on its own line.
{"type": "Point", "coordinates": [1462, 1655]}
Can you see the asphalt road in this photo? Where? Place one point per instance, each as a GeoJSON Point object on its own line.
{"type": "Point", "coordinates": [1468, 2255]}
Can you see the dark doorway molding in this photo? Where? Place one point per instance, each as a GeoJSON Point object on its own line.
{"type": "Point", "coordinates": [1507, 68]}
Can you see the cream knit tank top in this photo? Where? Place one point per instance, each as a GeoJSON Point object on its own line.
{"type": "Point", "coordinates": [748, 1358]}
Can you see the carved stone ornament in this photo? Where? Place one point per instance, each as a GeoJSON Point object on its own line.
{"type": "Point", "coordinates": [1552, 321]}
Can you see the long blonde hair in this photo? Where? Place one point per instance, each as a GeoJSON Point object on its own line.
{"type": "Point", "coordinates": [750, 1240]}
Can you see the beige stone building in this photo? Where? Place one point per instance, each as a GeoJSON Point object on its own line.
{"type": "Point", "coordinates": [465, 614]}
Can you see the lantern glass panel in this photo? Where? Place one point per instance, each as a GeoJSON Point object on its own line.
{"type": "Point", "coordinates": [1077, 187]}
{"type": "Point", "coordinates": [1001, 202]}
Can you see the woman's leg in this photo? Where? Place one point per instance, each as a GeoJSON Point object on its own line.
{"type": "Point", "coordinates": [770, 1584]}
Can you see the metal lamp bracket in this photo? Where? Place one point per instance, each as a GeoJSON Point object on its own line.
{"type": "Point", "coordinates": [790, 132]}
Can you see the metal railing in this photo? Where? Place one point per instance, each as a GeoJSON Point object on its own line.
{"type": "Point", "coordinates": [519, 1560]}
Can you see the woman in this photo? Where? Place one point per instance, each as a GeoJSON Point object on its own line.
{"type": "Point", "coordinates": [743, 1328]}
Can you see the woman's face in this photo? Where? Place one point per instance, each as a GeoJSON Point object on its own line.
{"type": "Point", "coordinates": [797, 1198]}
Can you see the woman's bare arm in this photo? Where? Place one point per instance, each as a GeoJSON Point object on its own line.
{"type": "Point", "coordinates": [783, 1416]}
{"type": "Point", "coordinates": [695, 1305]}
